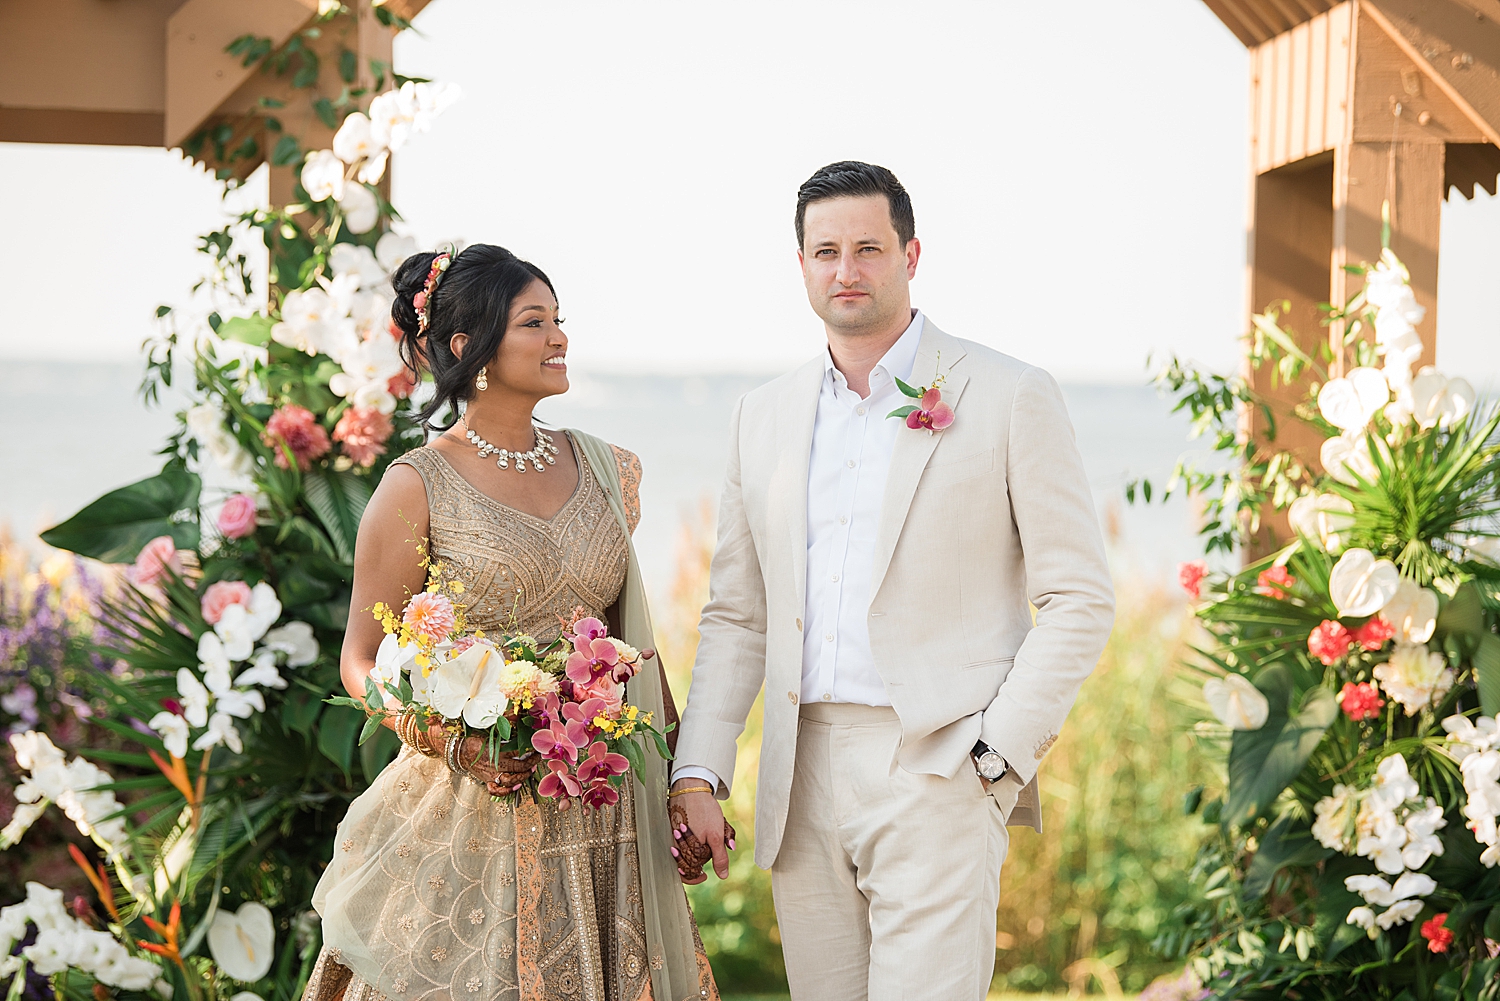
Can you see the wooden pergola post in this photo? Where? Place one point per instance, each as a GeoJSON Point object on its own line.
{"type": "Point", "coordinates": [1355, 106]}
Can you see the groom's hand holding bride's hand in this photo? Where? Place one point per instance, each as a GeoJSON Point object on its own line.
{"type": "Point", "coordinates": [705, 820]}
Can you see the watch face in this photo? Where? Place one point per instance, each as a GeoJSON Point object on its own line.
{"type": "Point", "coordinates": [991, 766]}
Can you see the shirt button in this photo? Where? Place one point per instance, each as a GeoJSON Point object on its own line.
{"type": "Point", "coordinates": [828, 637]}
{"type": "Point", "coordinates": [827, 697]}
{"type": "Point", "coordinates": [835, 578]}
{"type": "Point", "coordinates": [791, 697]}
{"type": "Point", "coordinates": [843, 519]}
{"type": "Point", "coordinates": [851, 463]}
{"type": "Point", "coordinates": [860, 411]}
{"type": "Point", "coordinates": [799, 625]}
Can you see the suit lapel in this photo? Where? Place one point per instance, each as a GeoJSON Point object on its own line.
{"type": "Point", "coordinates": [914, 448]}
{"type": "Point", "coordinates": [796, 413]}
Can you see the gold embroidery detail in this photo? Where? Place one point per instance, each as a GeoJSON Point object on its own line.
{"type": "Point", "coordinates": [473, 845]}
{"type": "Point", "coordinates": [476, 917]}
{"type": "Point", "coordinates": [436, 882]}
{"type": "Point", "coordinates": [348, 845]}
{"type": "Point", "coordinates": [439, 954]}
{"type": "Point", "coordinates": [403, 850]}
{"type": "Point", "coordinates": [439, 812]}
{"type": "Point", "coordinates": [406, 922]}
{"type": "Point", "coordinates": [399, 986]}
{"type": "Point", "coordinates": [633, 966]}
{"type": "Point", "coordinates": [655, 962]}
{"type": "Point", "coordinates": [474, 984]}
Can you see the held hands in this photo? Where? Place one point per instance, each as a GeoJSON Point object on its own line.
{"type": "Point", "coordinates": [700, 832]}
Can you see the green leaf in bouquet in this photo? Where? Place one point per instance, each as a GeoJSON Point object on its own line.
{"type": "Point", "coordinates": [372, 726]}
{"type": "Point", "coordinates": [1264, 762]}
{"type": "Point", "coordinates": [338, 499]}
{"type": "Point", "coordinates": [114, 528]}
{"type": "Point", "coordinates": [255, 329]}
{"type": "Point", "coordinates": [632, 751]}
{"type": "Point", "coordinates": [906, 390]}
{"type": "Point", "coordinates": [1286, 843]}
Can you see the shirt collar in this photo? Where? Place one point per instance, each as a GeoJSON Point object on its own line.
{"type": "Point", "coordinates": [898, 359]}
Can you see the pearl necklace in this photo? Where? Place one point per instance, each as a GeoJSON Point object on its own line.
{"type": "Point", "coordinates": [542, 451]}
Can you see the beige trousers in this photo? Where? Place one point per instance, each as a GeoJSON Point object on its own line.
{"type": "Point", "coordinates": [887, 881]}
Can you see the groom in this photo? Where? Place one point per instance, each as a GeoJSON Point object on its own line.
{"type": "Point", "coordinates": [876, 576]}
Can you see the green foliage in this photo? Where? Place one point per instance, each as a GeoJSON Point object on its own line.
{"type": "Point", "coordinates": [115, 527]}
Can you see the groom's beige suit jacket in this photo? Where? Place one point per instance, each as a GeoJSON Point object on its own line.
{"type": "Point", "coordinates": [980, 523]}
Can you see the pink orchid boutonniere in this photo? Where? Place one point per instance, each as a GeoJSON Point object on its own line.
{"type": "Point", "coordinates": [929, 411]}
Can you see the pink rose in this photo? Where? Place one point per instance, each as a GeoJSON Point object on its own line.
{"type": "Point", "coordinates": [237, 517]}
{"type": "Point", "coordinates": [220, 595]}
{"type": "Point", "coordinates": [604, 689]}
{"type": "Point", "coordinates": [156, 558]}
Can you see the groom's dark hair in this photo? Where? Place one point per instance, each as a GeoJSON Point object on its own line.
{"type": "Point", "coordinates": [853, 179]}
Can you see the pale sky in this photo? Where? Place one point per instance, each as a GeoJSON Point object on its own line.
{"type": "Point", "coordinates": [1078, 174]}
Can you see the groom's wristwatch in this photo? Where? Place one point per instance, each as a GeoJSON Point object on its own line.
{"type": "Point", "coordinates": [988, 762]}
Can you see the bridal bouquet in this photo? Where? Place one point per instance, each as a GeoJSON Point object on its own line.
{"type": "Point", "coordinates": [565, 700]}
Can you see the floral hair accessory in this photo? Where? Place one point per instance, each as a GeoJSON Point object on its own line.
{"type": "Point", "coordinates": [930, 411]}
{"type": "Point", "coordinates": [421, 300]}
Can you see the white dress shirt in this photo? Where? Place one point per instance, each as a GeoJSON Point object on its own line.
{"type": "Point", "coordinates": [847, 471]}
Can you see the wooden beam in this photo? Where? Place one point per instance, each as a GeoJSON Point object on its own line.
{"type": "Point", "coordinates": [1457, 45]}
{"type": "Point", "coordinates": [1468, 166]}
{"type": "Point", "coordinates": [1229, 14]}
{"type": "Point", "coordinates": [64, 125]}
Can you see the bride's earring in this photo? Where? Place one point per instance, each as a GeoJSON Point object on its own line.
{"type": "Point", "coordinates": [481, 382]}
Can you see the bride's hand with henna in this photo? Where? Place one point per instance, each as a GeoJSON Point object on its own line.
{"type": "Point", "coordinates": [501, 777]}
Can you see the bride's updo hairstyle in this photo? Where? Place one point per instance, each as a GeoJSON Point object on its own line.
{"type": "Point", "coordinates": [473, 296]}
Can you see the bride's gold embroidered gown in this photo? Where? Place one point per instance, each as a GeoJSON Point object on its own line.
{"type": "Point", "coordinates": [436, 891]}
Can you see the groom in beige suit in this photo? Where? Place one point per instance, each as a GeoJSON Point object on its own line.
{"type": "Point", "coordinates": [879, 579]}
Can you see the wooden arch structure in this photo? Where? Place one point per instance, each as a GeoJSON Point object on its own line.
{"type": "Point", "coordinates": [157, 73]}
{"type": "Point", "coordinates": [1353, 105]}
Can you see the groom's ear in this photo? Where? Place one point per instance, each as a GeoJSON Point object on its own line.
{"type": "Point", "coordinates": [913, 252]}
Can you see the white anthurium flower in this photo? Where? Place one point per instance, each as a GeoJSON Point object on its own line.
{"type": "Point", "coordinates": [323, 176]}
{"type": "Point", "coordinates": [1361, 585]}
{"type": "Point", "coordinates": [361, 210]}
{"type": "Point", "coordinates": [262, 672]}
{"type": "Point", "coordinates": [240, 703]}
{"type": "Point", "coordinates": [173, 730]}
{"type": "Point", "coordinates": [1346, 458]}
{"type": "Point", "coordinates": [1322, 518]}
{"type": "Point", "coordinates": [1348, 403]}
{"type": "Point", "coordinates": [356, 259]}
{"type": "Point", "coordinates": [353, 141]}
{"type": "Point", "coordinates": [176, 852]}
{"type": "Point", "coordinates": [373, 169]}
{"type": "Point", "coordinates": [392, 248]}
{"type": "Point", "coordinates": [194, 697]}
{"type": "Point", "coordinates": [1440, 401]}
{"type": "Point", "coordinates": [468, 686]}
{"type": "Point", "coordinates": [296, 640]}
{"type": "Point", "coordinates": [243, 943]}
{"type": "Point", "coordinates": [1237, 703]}
{"type": "Point", "coordinates": [1466, 736]}
{"type": "Point", "coordinates": [221, 730]}
{"type": "Point", "coordinates": [1415, 676]}
{"type": "Point", "coordinates": [1412, 612]}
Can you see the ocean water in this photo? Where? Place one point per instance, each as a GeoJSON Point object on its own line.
{"type": "Point", "coordinates": [77, 430]}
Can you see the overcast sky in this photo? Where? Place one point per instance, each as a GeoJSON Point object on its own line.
{"type": "Point", "coordinates": [1078, 173]}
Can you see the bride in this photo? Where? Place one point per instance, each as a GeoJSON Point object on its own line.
{"type": "Point", "coordinates": [437, 889]}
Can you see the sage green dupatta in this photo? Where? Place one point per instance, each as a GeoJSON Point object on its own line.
{"type": "Point", "coordinates": [668, 924]}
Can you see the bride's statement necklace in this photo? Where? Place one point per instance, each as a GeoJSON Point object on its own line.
{"type": "Point", "coordinates": [542, 451]}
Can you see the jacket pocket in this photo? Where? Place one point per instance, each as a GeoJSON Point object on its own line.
{"type": "Point", "coordinates": [962, 467]}
{"type": "Point", "coordinates": [996, 662]}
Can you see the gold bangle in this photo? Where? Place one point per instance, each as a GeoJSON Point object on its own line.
{"type": "Point", "coordinates": [683, 792]}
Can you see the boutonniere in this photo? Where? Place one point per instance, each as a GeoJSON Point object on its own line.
{"type": "Point", "coordinates": [929, 411]}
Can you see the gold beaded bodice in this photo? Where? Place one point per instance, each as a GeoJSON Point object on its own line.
{"type": "Point", "coordinates": [523, 573]}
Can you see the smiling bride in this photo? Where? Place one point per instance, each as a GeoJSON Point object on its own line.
{"type": "Point", "coordinates": [443, 885]}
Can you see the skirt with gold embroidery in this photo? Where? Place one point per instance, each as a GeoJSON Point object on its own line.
{"type": "Point", "coordinates": [436, 891]}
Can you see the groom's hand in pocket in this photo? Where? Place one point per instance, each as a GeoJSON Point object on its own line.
{"type": "Point", "coordinates": [705, 822]}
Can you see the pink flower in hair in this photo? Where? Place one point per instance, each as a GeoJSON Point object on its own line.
{"type": "Point", "coordinates": [299, 431]}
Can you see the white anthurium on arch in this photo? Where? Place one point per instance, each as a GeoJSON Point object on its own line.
{"type": "Point", "coordinates": [1237, 703]}
{"type": "Point", "coordinates": [1349, 402]}
{"type": "Point", "coordinates": [243, 942]}
{"type": "Point", "coordinates": [1412, 612]}
{"type": "Point", "coordinates": [361, 211]}
{"type": "Point", "coordinates": [1438, 400]}
{"type": "Point", "coordinates": [1322, 519]}
{"type": "Point", "coordinates": [1347, 459]}
{"type": "Point", "coordinates": [323, 176]}
{"type": "Point", "coordinates": [1361, 585]}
